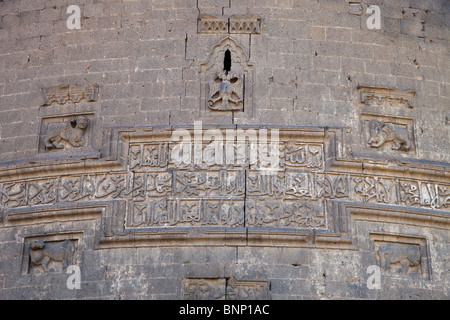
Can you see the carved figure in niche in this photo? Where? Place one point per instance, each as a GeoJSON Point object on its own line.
{"type": "Point", "coordinates": [72, 132]}
{"type": "Point", "coordinates": [381, 132]}
{"type": "Point", "coordinates": [226, 91]}
{"type": "Point", "coordinates": [42, 254]}
{"type": "Point", "coordinates": [406, 255]}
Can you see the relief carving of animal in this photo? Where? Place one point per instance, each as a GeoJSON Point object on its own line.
{"type": "Point", "coordinates": [72, 132]}
{"type": "Point", "coordinates": [406, 255]}
{"type": "Point", "coordinates": [42, 254]}
{"type": "Point", "coordinates": [226, 91]}
{"type": "Point", "coordinates": [381, 133]}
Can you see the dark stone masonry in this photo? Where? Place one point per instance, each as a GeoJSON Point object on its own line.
{"type": "Point", "coordinates": [224, 149]}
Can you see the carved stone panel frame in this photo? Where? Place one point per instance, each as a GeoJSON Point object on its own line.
{"type": "Point", "coordinates": [391, 134]}
{"type": "Point", "coordinates": [71, 129]}
{"type": "Point", "coordinates": [240, 65]}
{"type": "Point", "coordinates": [401, 255]}
{"type": "Point", "coordinates": [67, 242]}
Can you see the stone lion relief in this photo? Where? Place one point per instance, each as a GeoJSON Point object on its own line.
{"type": "Point", "coordinates": [381, 132]}
{"type": "Point", "coordinates": [42, 254]}
{"type": "Point", "coordinates": [72, 132]}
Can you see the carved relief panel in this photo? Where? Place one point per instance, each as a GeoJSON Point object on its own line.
{"type": "Point", "coordinates": [402, 255]}
{"type": "Point", "coordinates": [226, 91]}
{"type": "Point", "coordinates": [227, 78]}
{"type": "Point", "coordinates": [49, 254]}
{"type": "Point", "coordinates": [74, 94]}
{"type": "Point", "coordinates": [68, 119]}
{"type": "Point", "coordinates": [217, 24]}
{"type": "Point", "coordinates": [212, 24]}
{"type": "Point", "coordinates": [388, 133]}
{"type": "Point", "coordinates": [224, 289]}
{"type": "Point", "coordinates": [387, 123]}
{"type": "Point", "coordinates": [66, 132]}
{"type": "Point", "coordinates": [245, 24]}
{"type": "Point", "coordinates": [203, 289]}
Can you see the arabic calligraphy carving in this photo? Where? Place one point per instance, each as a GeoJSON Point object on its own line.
{"type": "Point", "coordinates": [159, 193]}
{"type": "Point", "coordinates": [225, 187]}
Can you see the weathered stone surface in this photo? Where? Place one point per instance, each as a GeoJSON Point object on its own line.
{"type": "Point", "coordinates": [323, 150]}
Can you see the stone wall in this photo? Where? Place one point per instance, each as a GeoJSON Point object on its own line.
{"type": "Point", "coordinates": [87, 170]}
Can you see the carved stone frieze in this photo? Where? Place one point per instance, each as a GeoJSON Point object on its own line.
{"type": "Point", "coordinates": [186, 213]}
{"type": "Point", "coordinates": [379, 97]}
{"type": "Point", "coordinates": [75, 94]}
{"type": "Point", "coordinates": [285, 214]}
{"type": "Point", "coordinates": [162, 196]}
{"type": "Point", "coordinates": [204, 191]}
{"type": "Point", "coordinates": [203, 289]}
{"type": "Point", "coordinates": [212, 24]}
{"type": "Point", "coordinates": [218, 24]}
{"type": "Point", "coordinates": [245, 24]}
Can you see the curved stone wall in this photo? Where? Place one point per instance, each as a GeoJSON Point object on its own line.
{"type": "Point", "coordinates": [221, 149]}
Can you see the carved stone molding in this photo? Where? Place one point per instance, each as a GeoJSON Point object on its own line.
{"type": "Point", "coordinates": [237, 24]}
{"type": "Point", "coordinates": [377, 96]}
{"type": "Point", "coordinates": [245, 24]}
{"type": "Point", "coordinates": [212, 24]}
{"type": "Point", "coordinates": [74, 93]}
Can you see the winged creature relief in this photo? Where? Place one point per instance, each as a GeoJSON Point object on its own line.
{"type": "Point", "coordinates": [226, 91]}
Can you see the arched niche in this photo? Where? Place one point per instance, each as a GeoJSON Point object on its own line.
{"type": "Point", "coordinates": [227, 69]}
